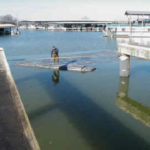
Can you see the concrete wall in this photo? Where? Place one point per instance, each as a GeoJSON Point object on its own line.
{"type": "Point", "coordinates": [16, 131]}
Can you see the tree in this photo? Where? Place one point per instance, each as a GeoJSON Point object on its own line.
{"type": "Point", "coordinates": [8, 18]}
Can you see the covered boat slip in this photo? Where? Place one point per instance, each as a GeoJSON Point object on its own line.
{"type": "Point", "coordinates": [137, 13]}
{"type": "Point", "coordinates": [142, 17]}
{"type": "Point", "coordinates": [138, 27]}
{"type": "Point", "coordinates": [6, 28]}
{"type": "Point", "coordinates": [127, 31]}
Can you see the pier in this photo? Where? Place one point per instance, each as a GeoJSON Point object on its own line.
{"type": "Point", "coordinates": [15, 129]}
{"type": "Point", "coordinates": [126, 50]}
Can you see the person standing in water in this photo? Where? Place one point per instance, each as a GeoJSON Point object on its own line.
{"type": "Point", "coordinates": [55, 55]}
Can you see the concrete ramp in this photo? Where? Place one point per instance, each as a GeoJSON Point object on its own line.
{"type": "Point", "coordinates": [15, 129]}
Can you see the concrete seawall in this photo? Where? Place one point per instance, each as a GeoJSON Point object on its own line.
{"type": "Point", "coordinates": [15, 129]}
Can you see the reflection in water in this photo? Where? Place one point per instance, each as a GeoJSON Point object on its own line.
{"type": "Point", "coordinates": [137, 110]}
{"type": "Point", "coordinates": [93, 124]}
{"type": "Point", "coordinates": [55, 76]}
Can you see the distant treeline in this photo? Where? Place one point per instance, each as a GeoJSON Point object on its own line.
{"type": "Point", "coordinates": [8, 19]}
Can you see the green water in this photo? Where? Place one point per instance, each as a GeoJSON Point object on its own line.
{"type": "Point", "coordinates": [81, 111]}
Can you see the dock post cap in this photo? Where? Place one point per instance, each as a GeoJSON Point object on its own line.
{"type": "Point", "coordinates": [1, 49]}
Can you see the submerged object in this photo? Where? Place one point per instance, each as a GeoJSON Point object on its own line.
{"type": "Point", "coordinates": [65, 67]}
{"type": "Point", "coordinates": [77, 68]}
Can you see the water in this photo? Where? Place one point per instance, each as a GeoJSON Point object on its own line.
{"type": "Point", "coordinates": [84, 111]}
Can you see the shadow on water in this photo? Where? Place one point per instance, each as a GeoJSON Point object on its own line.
{"type": "Point", "coordinates": [100, 129]}
{"type": "Point", "coordinates": [135, 109]}
{"type": "Point", "coordinates": [43, 110]}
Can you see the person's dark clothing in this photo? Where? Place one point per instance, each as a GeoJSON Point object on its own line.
{"type": "Point", "coordinates": [54, 51]}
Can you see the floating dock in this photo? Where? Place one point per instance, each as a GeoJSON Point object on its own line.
{"type": "Point", "coordinates": [63, 67]}
{"type": "Point", "coordinates": [15, 129]}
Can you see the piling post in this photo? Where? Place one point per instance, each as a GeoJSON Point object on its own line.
{"type": "Point", "coordinates": [124, 65]}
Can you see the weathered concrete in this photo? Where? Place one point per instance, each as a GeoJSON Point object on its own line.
{"type": "Point", "coordinates": [134, 50]}
{"type": "Point", "coordinates": [125, 50]}
{"type": "Point", "coordinates": [15, 130]}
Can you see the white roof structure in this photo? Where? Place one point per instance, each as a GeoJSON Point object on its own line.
{"type": "Point", "coordinates": [138, 13]}
{"type": "Point", "coordinates": [7, 25]}
{"type": "Point", "coordinates": [71, 22]}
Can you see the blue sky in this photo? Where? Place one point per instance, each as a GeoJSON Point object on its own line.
{"type": "Point", "coordinates": [71, 9]}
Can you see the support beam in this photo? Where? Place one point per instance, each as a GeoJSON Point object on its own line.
{"type": "Point", "coordinates": [124, 65]}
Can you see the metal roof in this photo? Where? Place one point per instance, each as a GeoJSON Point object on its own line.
{"type": "Point", "coordinates": [6, 25]}
{"type": "Point", "coordinates": [70, 21]}
{"type": "Point", "coordinates": [138, 13]}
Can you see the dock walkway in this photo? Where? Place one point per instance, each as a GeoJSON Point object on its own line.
{"type": "Point", "coordinates": [15, 130]}
{"type": "Point", "coordinates": [139, 51]}
{"type": "Point", "coordinates": [125, 50]}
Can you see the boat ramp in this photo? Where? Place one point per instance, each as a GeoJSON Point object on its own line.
{"type": "Point", "coordinates": [15, 128]}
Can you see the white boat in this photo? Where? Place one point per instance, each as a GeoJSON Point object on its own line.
{"type": "Point", "coordinates": [32, 27]}
{"type": "Point", "coordinates": [131, 29]}
{"type": "Point", "coordinates": [40, 28]}
{"type": "Point", "coordinates": [23, 27]}
{"type": "Point", "coordinates": [62, 28]}
{"type": "Point", "coordinates": [51, 28]}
